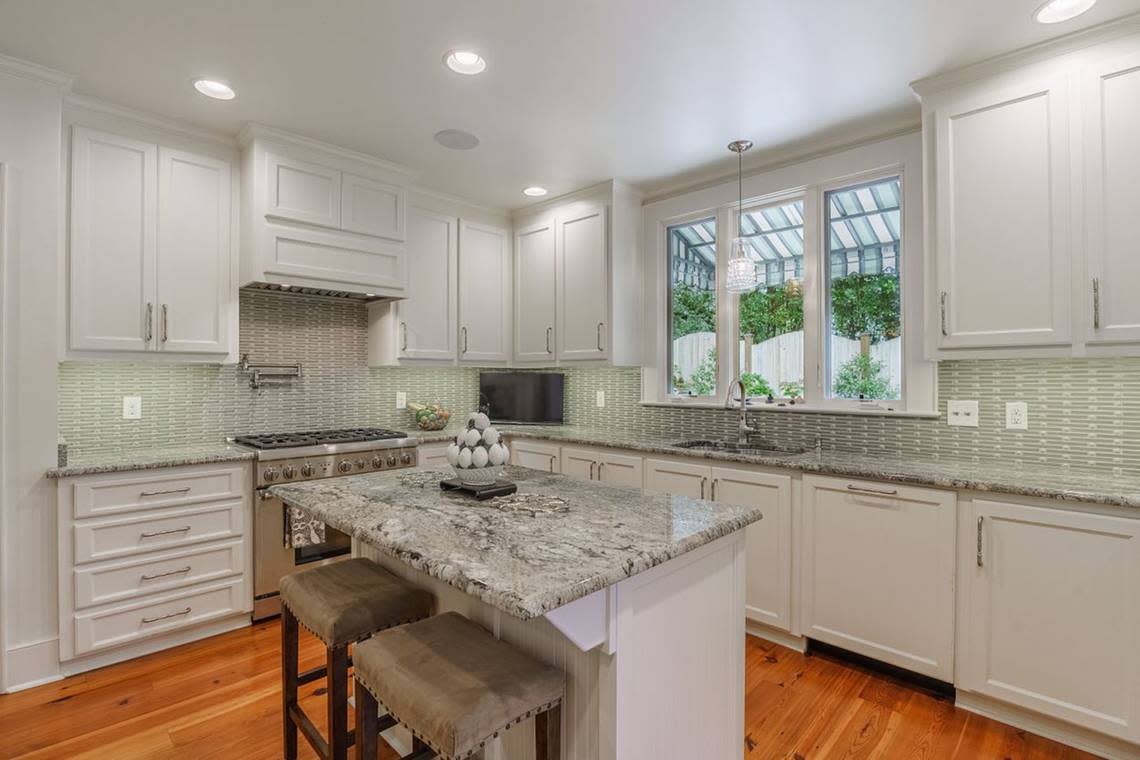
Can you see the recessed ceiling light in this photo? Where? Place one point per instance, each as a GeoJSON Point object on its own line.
{"type": "Point", "coordinates": [464, 62]}
{"type": "Point", "coordinates": [213, 89]}
{"type": "Point", "coordinates": [1056, 11]}
{"type": "Point", "coordinates": [535, 192]}
{"type": "Point", "coordinates": [456, 139]}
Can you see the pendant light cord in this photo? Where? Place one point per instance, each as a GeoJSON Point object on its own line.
{"type": "Point", "coordinates": [740, 193]}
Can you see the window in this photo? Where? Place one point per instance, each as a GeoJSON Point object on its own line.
{"type": "Point", "coordinates": [864, 318]}
{"type": "Point", "coordinates": [692, 362]}
{"type": "Point", "coordinates": [771, 318]}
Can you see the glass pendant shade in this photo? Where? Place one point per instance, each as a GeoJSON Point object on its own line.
{"type": "Point", "coordinates": [741, 275]}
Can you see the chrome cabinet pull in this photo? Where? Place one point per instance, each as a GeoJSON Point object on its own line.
{"type": "Point", "coordinates": [712, 493]}
{"type": "Point", "coordinates": [592, 465]}
{"type": "Point", "coordinates": [165, 321]}
{"type": "Point", "coordinates": [154, 533]}
{"type": "Point", "coordinates": [942, 300]}
{"type": "Point", "coordinates": [180, 571]}
{"type": "Point", "coordinates": [876, 491]}
{"type": "Point", "coordinates": [1096, 303]}
{"type": "Point", "coordinates": [404, 334]}
{"type": "Point", "coordinates": [600, 466]}
{"type": "Point", "coordinates": [148, 336]}
{"type": "Point", "coordinates": [703, 481]}
{"type": "Point", "coordinates": [980, 558]}
{"type": "Point", "coordinates": [164, 617]}
{"type": "Point", "coordinates": [552, 457]}
{"type": "Point", "coordinates": [185, 489]}
{"type": "Point", "coordinates": [464, 331]}
{"type": "Point", "coordinates": [548, 331]}
{"type": "Point", "coordinates": [600, 326]}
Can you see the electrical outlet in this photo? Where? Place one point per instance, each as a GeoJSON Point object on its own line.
{"type": "Point", "coordinates": [132, 407]}
{"type": "Point", "coordinates": [600, 399]}
{"type": "Point", "coordinates": [962, 413]}
{"type": "Point", "coordinates": [401, 399]}
{"type": "Point", "coordinates": [1016, 415]}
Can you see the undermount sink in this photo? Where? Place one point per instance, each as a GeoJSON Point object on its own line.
{"type": "Point", "coordinates": [732, 447]}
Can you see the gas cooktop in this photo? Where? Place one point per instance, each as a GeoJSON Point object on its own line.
{"type": "Point", "coordinates": [269, 441]}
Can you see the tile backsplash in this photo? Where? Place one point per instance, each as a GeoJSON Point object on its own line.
{"type": "Point", "coordinates": [1082, 413]}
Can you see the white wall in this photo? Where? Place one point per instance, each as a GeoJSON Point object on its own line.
{"type": "Point", "coordinates": [30, 118]}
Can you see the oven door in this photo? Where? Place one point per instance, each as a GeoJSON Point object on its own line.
{"type": "Point", "coordinates": [272, 560]}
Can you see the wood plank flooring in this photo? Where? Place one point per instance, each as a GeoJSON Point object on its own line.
{"type": "Point", "coordinates": [220, 698]}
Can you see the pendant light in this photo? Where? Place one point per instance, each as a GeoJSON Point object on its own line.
{"type": "Point", "coordinates": [741, 275]}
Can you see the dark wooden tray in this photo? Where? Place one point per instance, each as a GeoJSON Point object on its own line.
{"type": "Point", "coordinates": [480, 492]}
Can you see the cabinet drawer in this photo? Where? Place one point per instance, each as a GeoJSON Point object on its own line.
{"type": "Point", "coordinates": [133, 493]}
{"type": "Point", "coordinates": [118, 581]}
{"type": "Point", "coordinates": [122, 537]}
{"type": "Point", "coordinates": [131, 622]}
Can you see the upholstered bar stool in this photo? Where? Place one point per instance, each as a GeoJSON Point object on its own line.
{"type": "Point", "coordinates": [456, 687]}
{"type": "Point", "coordinates": [341, 604]}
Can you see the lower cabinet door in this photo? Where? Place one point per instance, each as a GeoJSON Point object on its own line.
{"type": "Point", "coordinates": [768, 586]}
{"type": "Point", "coordinates": [878, 571]}
{"type": "Point", "coordinates": [538, 456]}
{"type": "Point", "coordinates": [1053, 605]}
{"type": "Point", "coordinates": [679, 478]}
{"type": "Point", "coordinates": [620, 469]}
{"type": "Point", "coordinates": [579, 463]}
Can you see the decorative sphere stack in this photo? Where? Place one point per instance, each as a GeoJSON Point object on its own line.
{"type": "Point", "coordinates": [478, 446]}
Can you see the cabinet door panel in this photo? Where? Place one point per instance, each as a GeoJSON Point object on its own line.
{"type": "Point", "coordinates": [432, 456]}
{"type": "Point", "coordinates": [620, 469]}
{"type": "Point", "coordinates": [193, 263]}
{"type": "Point", "coordinates": [427, 318]}
{"type": "Point", "coordinates": [302, 191]}
{"type": "Point", "coordinates": [680, 478]}
{"type": "Point", "coordinates": [584, 266]}
{"type": "Point", "coordinates": [1112, 123]}
{"type": "Point", "coordinates": [768, 584]}
{"type": "Point", "coordinates": [537, 456]}
{"type": "Point", "coordinates": [1054, 605]}
{"type": "Point", "coordinates": [372, 208]}
{"type": "Point", "coordinates": [536, 295]}
{"type": "Point", "coordinates": [354, 261]}
{"type": "Point", "coordinates": [484, 293]}
{"type": "Point", "coordinates": [579, 463]}
{"type": "Point", "coordinates": [1003, 216]}
{"type": "Point", "coordinates": [114, 207]}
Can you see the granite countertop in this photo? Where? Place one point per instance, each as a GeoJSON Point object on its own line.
{"type": "Point", "coordinates": [124, 460]}
{"type": "Point", "coordinates": [1025, 480]}
{"type": "Point", "coordinates": [566, 539]}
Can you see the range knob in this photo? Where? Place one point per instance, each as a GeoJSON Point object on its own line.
{"type": "Point", "coordinates": [344, 466]}
{"type": "Point", "coordinates": [361, 464]}
{"type": "Point", "coordinates": [391, 460]}
{"type": "Point", "coordinates": [406, 458]}
{"type": "Point", "coordinates": [289, 472]}
{"type": "Point", "coordinates": [270, 474]}
{"type": "Point", "coordinates": [307, 470]}
{"type": "Point", "coordinates": [377, 462]}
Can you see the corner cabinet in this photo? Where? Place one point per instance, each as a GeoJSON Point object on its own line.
{"type": "Point", "coordinates": [150, 265]}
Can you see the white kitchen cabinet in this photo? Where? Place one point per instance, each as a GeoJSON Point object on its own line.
{"type": "Point", "coordinates": [432, 455]}
{"type": "Point", "coordinates": [1052, 599]}
{"type": "Point", "coordinates": [579, 463]}
{"type": "Point", "coordinates": [1111, 94]}
{"type": "Point", "coordinates": [302, 191]}
{"type": "Point", "coordinates": [583, 279]}
{"type": "Point", "coordinates": [371, 207]}
{"type": "Point", "coordinates": [603, 466]}
{"type": "Point", "coordinates": [484, 293]}
{"type": "Point", "coordinates": [536, 293]}
{"type": "Point", "coordinates": [877, 563]}
{"type": "Point", "coordinates": [681, 478]}
{"type": "Point", "coordinates": [536, 455]}
{"type": "Point", "coordinates": [150, 254]}
{"type": "Point", "coordinates": [426, 321]}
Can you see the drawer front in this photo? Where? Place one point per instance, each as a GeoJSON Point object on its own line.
{"type": "Point", "coordinates": [123, 537]}
{"type": "Point", "coordinates": [124, 624]}
{"type": "Point", "coordinates": [119, 581]}
{"type": "Point", "coordinates": [118, 494]}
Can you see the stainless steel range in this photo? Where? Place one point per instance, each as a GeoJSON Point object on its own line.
{"type": "Point", "coordinates": [292, 457]}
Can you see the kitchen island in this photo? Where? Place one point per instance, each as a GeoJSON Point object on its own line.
{"type": "Point", "coordinates": [637, 596]}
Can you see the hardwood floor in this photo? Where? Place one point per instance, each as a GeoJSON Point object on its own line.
{"type": "Point", "coordinates": [219, 698]}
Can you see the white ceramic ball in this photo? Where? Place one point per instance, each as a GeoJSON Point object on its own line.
{"type": "Point", "coordinates": [490, 436]}
{"type": "Point", "coordinates": [506, 453]}
{"type": "Point", "coordinates": [497, 455]}
{"type": "Point", "coordinates": [464, 459]}
{"type": "Point", "coordinates": [453, 454]}
{"type": "Point", "coordinates": [472, 417]}
{"type": "Point", "coordinates": [473, 438]}
{"type": "Point", "coordinates": [479, 457]}
{"type": "Point", "coordinates": [482, 421]}
{"type": "Point", "coordinates": [461, 439]}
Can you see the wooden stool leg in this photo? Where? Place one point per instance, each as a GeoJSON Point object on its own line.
{"type": "Point", "coordinates": [367, 728]}
{"type": "Point", "coordinates": [548, 734]}
{"type": "Point", "coordinates": [289, 657]}
{"type": "Point", "coordinates": [337, 660]}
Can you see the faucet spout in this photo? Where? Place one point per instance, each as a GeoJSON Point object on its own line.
{"type": "Point", "coordinates": [743, 429]}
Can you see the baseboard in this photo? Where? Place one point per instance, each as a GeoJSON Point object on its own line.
{"type": "Point", "coordinates": [34, 664]}
{"type": "Point", "coordinates": [775, 635]}
{"type": "Point", "coordinates": [1051, 728]}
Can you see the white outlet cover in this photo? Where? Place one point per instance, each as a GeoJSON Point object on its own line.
{"type": "Point", "coordinates": [1016, 415]}
{"type": "Point", "coordinates": [401, 399]}
{"type": "Point", "coordinates": [962, 413]}
{"type": "Point", "coordinates": [600, 399]}
{"type": "Point", "coordinates": [132, 407]}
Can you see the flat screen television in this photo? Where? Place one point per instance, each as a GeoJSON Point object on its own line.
{"type": "Point", "coordinates": [523, 397]}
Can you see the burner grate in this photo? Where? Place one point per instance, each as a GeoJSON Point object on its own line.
{"type": "Point", "coordinates": [317, 437]}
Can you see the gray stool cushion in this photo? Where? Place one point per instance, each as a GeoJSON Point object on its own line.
{"type": "Point", "coordinates": [452, 683]}
{"type": "Point", "coordinates": [348, 601]}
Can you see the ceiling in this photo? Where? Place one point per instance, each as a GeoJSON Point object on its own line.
{"type": "Point", "coordinates": [575, 92]}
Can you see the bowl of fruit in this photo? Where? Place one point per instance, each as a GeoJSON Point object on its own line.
{"type": "Point", "coordinates": [430, 416]}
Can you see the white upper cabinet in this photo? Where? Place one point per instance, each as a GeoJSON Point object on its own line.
{"type": "Point", "coordinates": [536, 293]}
{"type": "Point", "coordinates": [150, 254]}
{"type": "Point", "coordinates": [371, 207]}
{"type": "Point", "coordinates": [301, 191]}
{"type": "Point", "coordinates": [584, 287]}
{"type": "Point", "coordinates": [427, 319]}
{"type": "Point", "coordinates": [484, 293]}
{"type": "Point", "coordinates": [1003, 216]}
{"type": "Point", "coordinates": [1111, 105]}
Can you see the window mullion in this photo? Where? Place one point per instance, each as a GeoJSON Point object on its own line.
{"type": "Point", "coordinates": [814, 301]}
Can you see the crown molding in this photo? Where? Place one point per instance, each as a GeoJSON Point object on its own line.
{"type": "Point", "coordinates": [27, 70]}
{"type": "Point", "coordinates": [171, 126]}
{"type": "Point", "coordinates": [1035, 53]}
{"type": "Point", "coordinates": [254, 130]}
{"type": "Point", "coordinates": [459, 200]}
{"type": "Point", "coordinates": [575, 195]}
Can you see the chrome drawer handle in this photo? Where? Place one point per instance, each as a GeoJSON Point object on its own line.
{"type": "Point", "coordinates": [154, 533]}
{"type": "Point", "coordinates": [1096, 303]}
{"type": "Point", "coordinates": [943, 303]}
{"type": "Point", "coordinates": [404, 333]}
{"type": "Point", "coordinates": [548, 331]}
{"type": "Point", "coordinates": [981, 554]}
{"type": "Point", "coordinates": [164, 493]}
{"type": "Point", "coordinates": [876, 491]}
{"type": "Point", "coordinates": [464, 331]}
{"type": "Point", "coordinates": [164, 617]}
{"type": "Point", "coordinates": [600, 326]}
{"type": "Point", "coordinates": [165, 320]}
{"type": "Point", "coordinates": [149, 334]}
{"type": "Point", "coordinates": [152, 576]}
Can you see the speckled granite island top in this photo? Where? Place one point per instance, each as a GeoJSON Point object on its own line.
{"type": "Point", "coordinates": [558, 539]}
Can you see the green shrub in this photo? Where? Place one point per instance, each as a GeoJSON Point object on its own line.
{"type": "Point", "coordinates": [694, 310]}
{"type": "Point", "coordinates": [764, 314]}
{"type": "Point", "coordinates": [862, 376]}
{"type": "Point", "coordinates": [756, 385]}
{"type": "Point", "coordinates": [866, 304]}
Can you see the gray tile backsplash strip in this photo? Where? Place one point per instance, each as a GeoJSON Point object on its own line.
{"type": "Point", "coordinates": [1082, 413]}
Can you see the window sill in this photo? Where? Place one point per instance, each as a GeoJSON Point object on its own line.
{"type": "Point", "coordinates": [798, 409]}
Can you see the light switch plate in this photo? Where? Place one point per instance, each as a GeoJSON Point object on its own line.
{"type": "Point", "coordinates": [962, 413]}
{"type": "Point", "coordinates": [132, 407]}
{"type": "Point", "coordinates": [600, 399]}
{"type": "Point", "coordinates": [401, 399]}
{"type": "Point", "coordinates": [1016, 415]}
